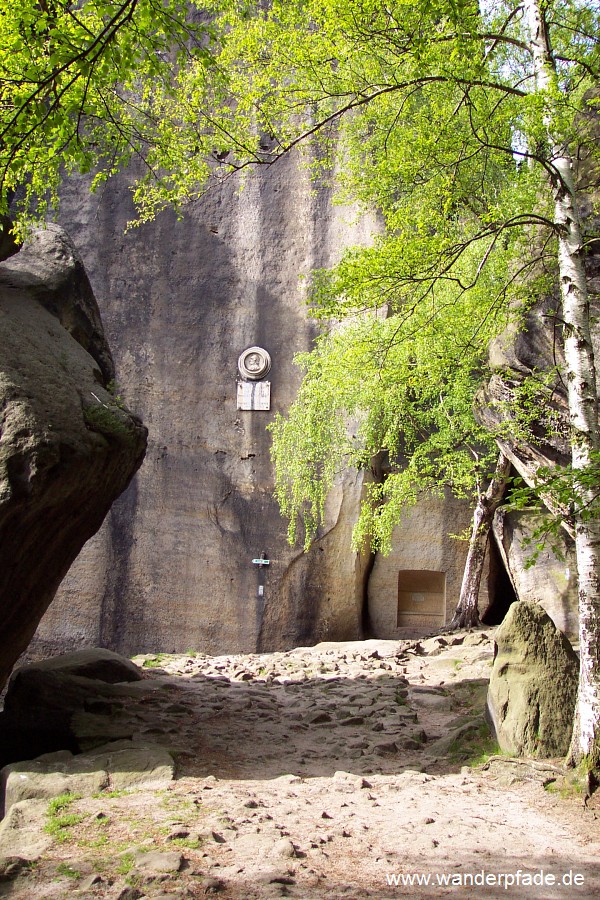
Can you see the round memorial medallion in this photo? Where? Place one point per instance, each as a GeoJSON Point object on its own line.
{"type": "Point", "coordinates": [254, 363]}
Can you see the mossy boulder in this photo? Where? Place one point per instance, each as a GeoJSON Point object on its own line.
{"type": "Point", "coordinates": [533, 685]}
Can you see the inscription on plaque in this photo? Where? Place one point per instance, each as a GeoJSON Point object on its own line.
{"type": "Point", "coordinates": [254, 395]}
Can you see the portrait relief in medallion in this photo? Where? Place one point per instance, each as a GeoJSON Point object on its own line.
{"type": "Point", "coordinates": [254, 363]}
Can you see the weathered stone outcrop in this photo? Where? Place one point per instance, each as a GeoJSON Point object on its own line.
{"type": "Point", "coordinates": [67, 448]}
{"type": "Point", "coordinates": [533, 685]}
{"type": "Point", "coordinates": [533, 346]}
{"type": "Point", "coordinates": [551, 581]}
{"type": "Point", "coordinates": [77, 702]}
{"type": "Point", "coordinates": [116, 766]}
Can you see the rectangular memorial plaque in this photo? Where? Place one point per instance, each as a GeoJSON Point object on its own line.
{"type": "Point", "coordinates": [254, 395]}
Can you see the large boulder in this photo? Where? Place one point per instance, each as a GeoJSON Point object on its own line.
{"type": "Point", "coordinates": [96, 663]}
{"type": "Point", "coordinates": [73, 702]}
{"type": "Point", "coordinates": [533, 685]}
{"type": "Point", "coordinates": [86, 700]}
{"type": "Point", "coordinates": [68, 448]}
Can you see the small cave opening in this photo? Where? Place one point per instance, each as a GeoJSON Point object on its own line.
{"type": "Point", "coordinates": [501, 592]}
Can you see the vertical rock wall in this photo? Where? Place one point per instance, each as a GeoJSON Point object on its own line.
{"type": "Point", "coordinates": [172, 567]}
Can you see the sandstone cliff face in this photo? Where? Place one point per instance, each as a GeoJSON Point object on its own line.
{"type": "Point", "coordinates": [172, 567]}
{"type": "Point", "coordinates": [67, 449]}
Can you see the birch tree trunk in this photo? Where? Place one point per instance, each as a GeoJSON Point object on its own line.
{"type": "Point", "coordinates": [467, 610]}
{"type": "Point", "coordinates": [583, 406]}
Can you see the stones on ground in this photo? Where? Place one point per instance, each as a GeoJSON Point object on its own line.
{"type": "Point", "coordinates": [377, 805]}
{"type": "Point", "coordinates": [129, 893]}
{"type": "Point", "coordinates": [90, 882]}
{"type": "Point", "coordinates": [385, 748]}
{"type": "Point", "coordinates": [411, 744]}
{"type": "Point", "coordinates": [284, 849]}
{"type": "Point", "coordinates": [212, 885]}
{"type": "Point", "coordinates": [178, 834]}
{"type": "Point", "coordinates": [156, 862]}
{"type": "Point", "coordinates": [274, 875]}
{"type": "Point", "coordinates": [13, 866]}
{"type": "Point", "coordinates": [217, 837]}
{"type": "Point", "coordinates": [167, 896]}
{"type": "Point", "coordinates": [320, 718]}
{"type": "Point", "coordinates": [429, 697]}
{"type": "Point", "coordinates": [533, 684]}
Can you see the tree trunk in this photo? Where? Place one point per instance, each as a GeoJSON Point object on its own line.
{"type": "Point", "coordinates": [467, 610]}
{"type": "Point", "coordinates": [583, 410]}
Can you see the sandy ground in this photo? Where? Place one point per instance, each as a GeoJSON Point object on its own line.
{"type": "Point", "coordinates": [338, 771]}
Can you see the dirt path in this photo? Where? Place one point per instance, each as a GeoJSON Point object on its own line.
{"type": "Point", "coordinates": [328, 772]}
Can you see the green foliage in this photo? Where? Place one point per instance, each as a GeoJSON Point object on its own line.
{"type": "Point", "coordinates": [571, 786]}
{"type": "Point", "coordinates": [79, 82]}
{"type": "Point", "coordinates": [429, 101]}
{"type": "Point", "coordinates": [429, 113]}
{"type": "Point", "coordinates": [108, 420]}
{"type": "Point", "coordinates": [67, 871]}
{"type": "Point", "coordinates": [155, 661]}
{"type": "Point", "coordinates": [61, 802]}
{"type": "Point", "coordinates": [403, 384]}
{"type": "Point", "coordinates": [59, 821]}
{"type": "Point", "coordinates": [426, 112]}
{"type": "Point", "coordinates": [482, 748]}
{"type": "Point", "coordinates": [126, 864]}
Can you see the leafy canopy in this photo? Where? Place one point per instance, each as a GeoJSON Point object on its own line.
{"type": "Point", "coordinates": [434, 112]}
{"type": "Point", "coordinates": [80, 85]}
{"type": "Point", "coordinates": [427, 110]}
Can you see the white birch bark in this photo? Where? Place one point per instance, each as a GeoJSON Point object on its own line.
{"type": "Point", "coordinates": [467, 610]}
{"type": "Point", "coordinates": [583, 403]}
